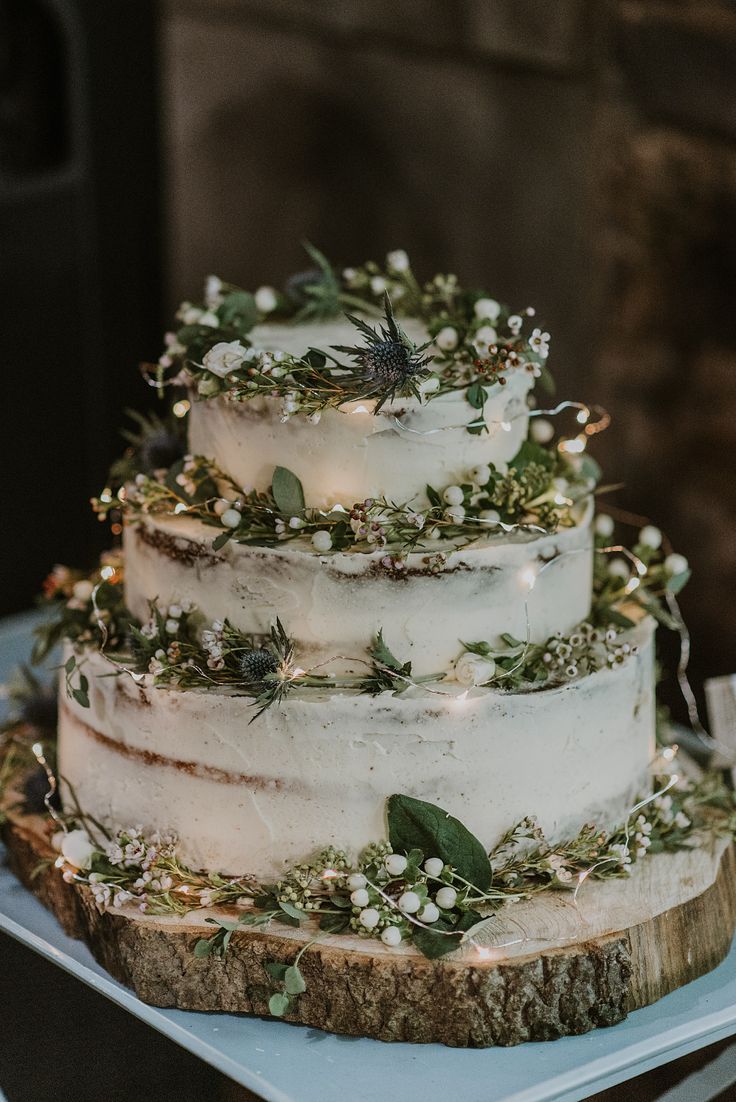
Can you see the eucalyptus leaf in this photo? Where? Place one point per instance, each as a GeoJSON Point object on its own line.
{"type": "Point", "coordinates": [476, 395]}
{"type": "Point", "coordinates": [415, 823]}
{"type": "Point", "coordinates": [294, 981]}
{"type": "Point", "coordinates": [203, 948]}
{"type": "Point", "coordinates": [278, 1004]}
{"type": "Point", "coordinates": [291, 910]}
{"type": "Point", "coordinates": [287, 492]}
{"type": "Point", "coordinates": [276, 969]}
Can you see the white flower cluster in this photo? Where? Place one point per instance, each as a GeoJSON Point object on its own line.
{"type": "Point", "coordinates": [213, 642]}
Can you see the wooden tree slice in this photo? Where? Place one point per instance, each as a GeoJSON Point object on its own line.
{"type": "Point", "coordinates": [543, 969]}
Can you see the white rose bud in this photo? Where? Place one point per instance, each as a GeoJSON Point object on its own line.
{"type": "Point", "coordinates": [484, 338]}
{"type": "Point", "coordinates": [77, 849]}
{"type": "Point", "coordinates": [650, 537]}
{"type": "Point", "coordinates": [446, 339]}
{"type": "Point", "coordinates": [224, 357]}
{"type": "Point", "coordinates": [266, 300]}
{"type": "Point", "coordinates": [398, 261]}
{"type": "Point", "coordinates": [676, 564]}
{"type": "Point", "coordinates": [471, 669]}
{"type": "Point", "coordinates": [541, 430]}
{"type": "Point", "coordinates": [487, 308]}
{"type": "Point", "coordinates": [604, 525]}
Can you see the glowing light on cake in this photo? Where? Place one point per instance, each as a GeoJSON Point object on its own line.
{"type": "Point", "coordinates": [181, 408]}
{"type": "Point", "coordinates": [528, 576]}
{"type": "Point", "coordinates": [107, 573]}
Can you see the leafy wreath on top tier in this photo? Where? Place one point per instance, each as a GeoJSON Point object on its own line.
{"type": "Point", "coordinates": [474, 342]}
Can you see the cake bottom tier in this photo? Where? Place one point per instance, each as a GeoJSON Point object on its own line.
{"type": "Point", "coordinates": [247, 797]}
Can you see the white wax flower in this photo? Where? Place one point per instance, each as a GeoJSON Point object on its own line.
{"type": "Point", "coordinates": [471, 669]}
{"type": "Point", "coordinates": [210, 319]}
{"type": "Point", "coordinates": [224, 357]}
{"type": "Point", "coordinates": [266, 300]}
{"type": "Point", "coordinates": [487, 308]}
{"type": "Point", "coordinates": [397, 261]}
{"type": "Point", "coordinates": [378, 285]}
{"type": "Point", "coordinates": [77, 849]}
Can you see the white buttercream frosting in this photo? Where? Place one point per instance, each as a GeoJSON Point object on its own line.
{"type": "Point", "coordinates": [334, 604]}
{"type": "Point", "coordinates": [353, 453]}
{"type": "Point", "coordinates": [244, 797]}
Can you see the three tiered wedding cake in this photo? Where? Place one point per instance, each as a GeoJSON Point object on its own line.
{"type": "Point", "coordinates": [375, 540]}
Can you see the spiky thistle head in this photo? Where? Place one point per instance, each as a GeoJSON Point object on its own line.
{"type": "Point", "coordinates": [388, 360]}
{"type": "Point", "coordinates": [255, 665]}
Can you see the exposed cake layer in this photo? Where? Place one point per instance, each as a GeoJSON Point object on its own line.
{"type": "Point", "coordinates": [353, 454]}
{"type": "Point", "coordinates": [334, 604]}
{"type": "Point", "coordinates": [245, 797]}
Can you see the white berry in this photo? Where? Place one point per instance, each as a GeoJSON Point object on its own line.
{"type": "Point", "coordinates": [397, 261]}
{"type": "Point", "coordinates": [83, 590]}
{"type": "Point", "coordinates": [266, 300]}
{"type": "Point", "coordinates": [675, 564]}
{"type": "Point", "coordinates": [455, 513]}
{"type": "Point", "coordinates": [453, 495]}
{"type": "Point", "coordinates": [541, 430]}
{"type": "Point", "coordinates": [433, 866]}
{"type": "Point", "coordinates": [321, 541]}
{"type": "Point", "coordinates": [356, 880]}
{"type": "Point", "coordinates": [231, 518]}
{"type": "Point", "coordinates": [409, 903]}
{"type": "Point", "coordinates": [429, 913]}
{"type": "Point", "coordinates": [619, 568]}
{"type": "Point", "coordinates": [360, 898]}
{"type": "Point", "coordinates": [446, 339]}
{"type": "Point", "coordinates": [487, 308]}
{"type": "Point", "coordinates": [650, 537]}
{"type": "Point", "coordinates": [446, 897]}
{"type": "Point", "coordinates": [378, 285]}
{"type": "Point", "coordinates": [395, 864]}
{"type": "Point", "coordinates": [391, 936]}
{"type": "Point", "coordinates": [490, 516]}
{"type": "Point", "coordinates": [480, 475]}
{"type": "Point", "coordinates": [369, 918]}
{"type": "Point", "coordinates": [604, 525]}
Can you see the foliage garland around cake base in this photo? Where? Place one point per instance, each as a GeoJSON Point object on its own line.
{"type": "Point", "coordinates": [431, 883]}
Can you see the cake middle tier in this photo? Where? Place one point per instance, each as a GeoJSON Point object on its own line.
{"type": "Point", "coordinates": [334, 604]}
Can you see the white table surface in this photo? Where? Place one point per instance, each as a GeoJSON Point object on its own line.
{"type": "Point", "coordinates": [289, 1063]}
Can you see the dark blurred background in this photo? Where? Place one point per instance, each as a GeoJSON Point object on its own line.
{"type": "Point", "coordinates": [577, 155]}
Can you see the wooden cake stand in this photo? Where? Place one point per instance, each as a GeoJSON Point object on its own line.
{"type": "Point", "coordinates": [544, 968]}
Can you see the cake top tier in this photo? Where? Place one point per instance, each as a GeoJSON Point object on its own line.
{"type": "Point", "coordinates": [409, 384]}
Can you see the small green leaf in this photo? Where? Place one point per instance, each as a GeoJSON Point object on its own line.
{"type": "Point", "coordinates": [436, 941]}
{"type": "Point", "coordinates": [238, 310]}
{"type": "Point", "coordinates": [530, 452]}
{"type": "Point", "coordinates": [416, 823]}
{"type": "Point", "coordinates": [476, 395]}
{"type": "Point", "coordinates": [315, 358]}
{"type": "Point", "coordinates": [483, 649]}
{"type": "Point", "coordinates": [678, 581]}
{"type": "Point", "coordinates": [70, 664]}
{"type": "Point", "coordinates": [278, 1004]}
{"type": "Point", "coordinates": [276, 969]}
{"type": "Point", "coordinates": [81, 698]}
{"type": "Point", "coordinates": [203, 948]}
{"type": "Point", "coordinates": [334, 924]}
{"type": "Point", "coordinates": [291, 911]}
{"type": "Point", "coordinates": [287, 492]}
{"type": "Point", "coordinates": [222, 539]}
{"type": "Point", "coordinates": [294, 981]}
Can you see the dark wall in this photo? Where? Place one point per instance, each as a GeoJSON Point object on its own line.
{"type": "Point", "coordinates": [80, 267]}
{"type": "Point", "coordinates": [579, 156]}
